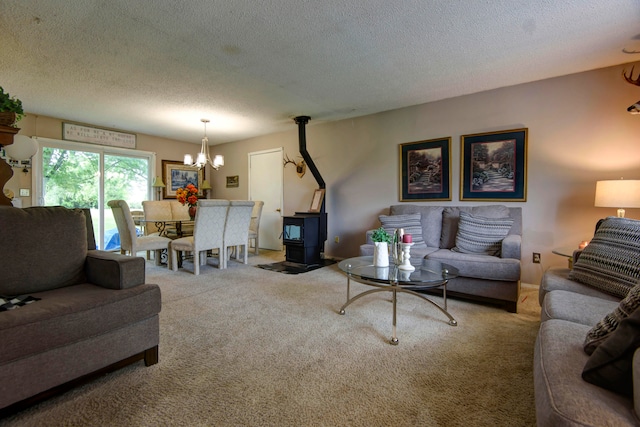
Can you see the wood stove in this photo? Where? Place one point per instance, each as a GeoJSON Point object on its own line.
{"type": "Point", "coordinates": [304, 233]}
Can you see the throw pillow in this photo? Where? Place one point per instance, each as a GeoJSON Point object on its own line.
{"type": "Point", "coordinates": [11, 303]}
{"type": "Point", "coordinates": [479, 235]}
{"type": "Point", "coordinates": [610, 262]}
{"type": "Point", "coordinates": [604, 328]}
{"type": "Point", "coordinates": [410, 223]}
{"type": "Point", "coordinates": [611, 364]}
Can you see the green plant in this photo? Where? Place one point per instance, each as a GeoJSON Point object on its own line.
{"type": "Point", "coordinates": [380, 235]}
{"type": "Point", "coordinates": [11, 104]}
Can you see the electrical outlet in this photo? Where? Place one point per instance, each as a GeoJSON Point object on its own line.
{"type": "Point", "coordinates": [336, 239]}
{"type": "Point", "coordinates": [536, 258]}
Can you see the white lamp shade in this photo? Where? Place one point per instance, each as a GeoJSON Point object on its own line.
{"type": "Point", "coordinates": [188, 160]}
{"type": "Point", "coordinates": [218, 160]}
{"type": "Point", "coordinates": [23, 148]}
{"type": "Point", "coordinates": [619, 193]}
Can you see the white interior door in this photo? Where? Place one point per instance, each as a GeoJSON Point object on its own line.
{"type": "Point", "coordinates": [266, 184]}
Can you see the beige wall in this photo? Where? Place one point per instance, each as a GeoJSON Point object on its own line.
{"type": "Point", "coordinates": [579, 132]}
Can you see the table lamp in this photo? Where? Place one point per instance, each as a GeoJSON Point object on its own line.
{"type": "Point", "coordinates": [205, 187]}
{"type": "Point", "coordinates": [618, 193]}
{"type": "Point", "coordinates": [158, 184]}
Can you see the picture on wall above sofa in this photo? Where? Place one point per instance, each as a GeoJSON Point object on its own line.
{"type": "Point", "coordinates": [425, 170]}
{"type": "Point", "coordinates": [494, 166]}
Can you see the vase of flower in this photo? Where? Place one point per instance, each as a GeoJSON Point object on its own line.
{"type": "Point", "coordinates": [188, 196]}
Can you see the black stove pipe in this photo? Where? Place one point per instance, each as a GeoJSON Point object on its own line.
{"type": "Point", "coordinates": [301, 121]}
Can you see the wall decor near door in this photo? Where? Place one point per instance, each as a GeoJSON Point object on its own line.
{"type": "Point", "coordinates": [233, 181]}
{"type": "Point", "coordinates": [425, 170]}
{"type": "Point", "coordinates": [494, 166]}
{"type": "Point", "coordinates": [176, 175]}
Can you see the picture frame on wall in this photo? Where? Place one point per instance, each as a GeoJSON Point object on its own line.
{"type": "Point", "coordinates": [316, 201]}
{"type": "Point", "coordinates": [176, 175]}
{"type": "Point", "coordinates": [425, 170]}
{"type": "Point", "coordinates": [494, 166]}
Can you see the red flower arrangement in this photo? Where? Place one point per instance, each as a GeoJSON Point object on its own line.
{"type": "Point", "coordinates": [188, 195]}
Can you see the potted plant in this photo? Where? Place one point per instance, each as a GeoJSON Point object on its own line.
{"type": "Point", "coordinates": [11, 110]}
{"type": "Point", "coordinates": [381, 241]}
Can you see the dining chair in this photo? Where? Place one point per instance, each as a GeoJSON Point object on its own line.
{"type": "Point", "coordinates": [208, 234]}
{"type": "Point", "coordinates": [129, 240]}
{"type": "Point", "coordinates": [254, 225]}
{"type": "Point", "coordinates": [236, 229]}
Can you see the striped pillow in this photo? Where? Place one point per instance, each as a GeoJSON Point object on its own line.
{"type": "Point", "coordinates": [410, 223]}
{"type": "Point", "coordinates": [610, 262]}
{"type": "Point", "coordinates": [479, 235]}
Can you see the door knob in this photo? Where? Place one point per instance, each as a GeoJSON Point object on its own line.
{"type": "Point", "coordinates": [278, 210]}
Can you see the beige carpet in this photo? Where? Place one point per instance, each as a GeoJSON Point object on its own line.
{"type": "Point", "coordinates": [251, 347]}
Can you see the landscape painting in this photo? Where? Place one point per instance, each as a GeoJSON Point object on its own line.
{"type": "Point", "coordinates": [494, 166]}
{"type": "Point", "coordinates": [177, 175]}
{"type": "Point", "coordinates": [425, 170]}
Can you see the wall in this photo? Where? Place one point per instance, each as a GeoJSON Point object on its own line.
{"type": "Point", "coordinates": [579, 132]}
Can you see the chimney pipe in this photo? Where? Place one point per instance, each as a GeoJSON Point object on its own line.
{"type": "Point", "coordinates": [301, 121]}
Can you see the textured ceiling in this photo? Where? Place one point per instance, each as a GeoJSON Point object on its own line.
{"type": "Point", "coordinates": [159, 66]}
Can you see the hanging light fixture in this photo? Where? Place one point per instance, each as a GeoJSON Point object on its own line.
{"type": "Point", "coordinates": [203, 156]}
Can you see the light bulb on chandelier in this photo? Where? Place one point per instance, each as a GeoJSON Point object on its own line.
{"type": "Point", "coordinates": [203, 156]}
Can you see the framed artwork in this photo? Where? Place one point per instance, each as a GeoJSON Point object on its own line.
{"type": "Point", "coordinates": [316, 202]}
{"type": "Point", "coordinates": [176, 175]}
{"type": "Point", "coordinates": [233, 181]}
{"type": "Point", "coordinates": [494, 166]}
{"type": "Point", "coordinates": [425, 170]}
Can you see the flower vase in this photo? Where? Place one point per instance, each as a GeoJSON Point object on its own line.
{"type": "Point", "coordinates": [192, 212]}
{"type": "Point", "coordinates": [381, 254]}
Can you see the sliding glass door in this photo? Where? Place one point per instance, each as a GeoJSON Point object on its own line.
{"type": "Point", "coordinates": [86, 176]}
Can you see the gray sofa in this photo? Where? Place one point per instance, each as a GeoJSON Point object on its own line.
{"type": "Point", "coordinates": [575, 306]}
{"type": "Point", "coordinates": [91, 311]}
{"type": "Point", "coordinates": [488, 278]}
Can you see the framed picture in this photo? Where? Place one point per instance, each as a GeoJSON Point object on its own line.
{"type": "Point", "coordinates": [233, 181]}
{"type": "Point", "coordinates": [494, 166]}
{"type": "Point", "coordinates": [425, 170]}
{"type": "Point", "coordinates": [176, 175]}
{"type": "Point", "coordinates": [316, 202]}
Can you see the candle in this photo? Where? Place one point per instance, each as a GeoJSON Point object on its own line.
{"type": "Point", "coordinates": [583, 244]}
{"type": "Point", "coordinates": [406, 238]}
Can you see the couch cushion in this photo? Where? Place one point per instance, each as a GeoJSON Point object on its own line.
{"type": "Point", "coordinates": [578, 308]}
{"type": "Point", "coordinates": [479, 266]}
{"type": "Point", "coordinates": [605, 327]}
{"type": "Point", "coordinates": [50, 252]}
{"type": "Point", "coordinates": [64, 316]}
{"type": "Point", "coordinates": [610, 262]}
{"type": "Point", "coordinates": [557, 278]}
{"type": "Point", "coordinates": [430, 218]}
{"type": "Point", "coordinates": [481, 235]}
{"type": "Point", "coordinates": [410, 223]}
{"type": "Point", "coordinates": [562, 397]}
{"type": "Point", "coordinates": [611, 364]}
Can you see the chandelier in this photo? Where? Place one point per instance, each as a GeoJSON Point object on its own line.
{"type": "Point", "coordinates": [203, 156]}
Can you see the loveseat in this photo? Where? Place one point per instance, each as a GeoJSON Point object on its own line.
{"type": "Point", "coordinates": [486, 252]}
{"type": "Point", "coordinates": [591, 308]}
{"type": "Point", "coordinates": [68, 313]}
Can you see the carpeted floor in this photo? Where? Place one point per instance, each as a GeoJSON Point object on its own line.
{"type": "Point", "coordinates": [251, 347]}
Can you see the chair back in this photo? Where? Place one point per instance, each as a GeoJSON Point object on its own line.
{"type": "Point", "coordinates": [155, 210]}
{"type": "Point", "coordinates": [124, 222]}
{"type": "Point", "coordinates": [256, 213]}
{"type": "Point", "coordinates": [178, 210]}
{"type": "Point", "coordinates": [208, 231]}
{"type": "Point", "coordinates": [236, 231]}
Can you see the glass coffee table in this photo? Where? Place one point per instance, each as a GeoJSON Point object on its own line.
{"type": "Point", "coordinates": [427, 274]}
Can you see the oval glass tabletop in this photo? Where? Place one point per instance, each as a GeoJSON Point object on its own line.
{"type": "Point", "coordinates": [427, 273]}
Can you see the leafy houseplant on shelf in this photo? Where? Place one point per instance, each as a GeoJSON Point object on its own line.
{"type": "Point", "coordinates": [11, 110]}
{"type": "Point", "coordinates": [188, 196]}
{"type": "Point", "coordinates": [381, 241]}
